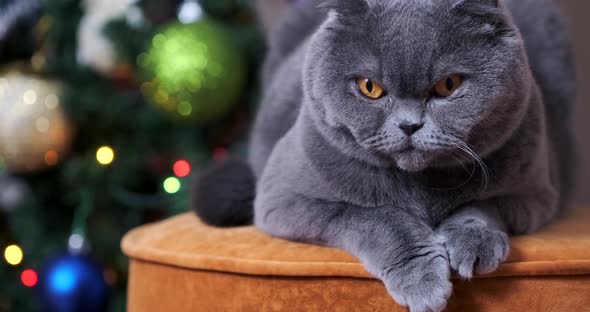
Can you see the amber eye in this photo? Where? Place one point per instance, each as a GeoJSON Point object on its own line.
{"type": "Point", "coordinates": [370, 88]}
{"type": "Point", "coordinates": [447, 86]}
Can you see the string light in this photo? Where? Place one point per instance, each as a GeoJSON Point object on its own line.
{"type": "Point", "coordinates": [181, 168]}
{"type": "Point", "coordinates": [105, 155]}
{"type": "Point", "coordinates": [29, 278]}
{"type": "Point", "coordinates": [13, 255]}
{"type": "Point", "coordinates": [172, 185]}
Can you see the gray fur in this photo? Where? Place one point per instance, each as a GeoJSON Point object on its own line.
{"type": "Point", "coordinates": [334, 167]}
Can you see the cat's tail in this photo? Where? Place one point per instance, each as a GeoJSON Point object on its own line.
{"type": "Point", "coordinates": [224, 194]}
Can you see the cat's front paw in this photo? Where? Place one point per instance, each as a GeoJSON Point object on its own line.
{"type": "Point", "coordinates": [473, 247]}
{"type": "Point", "coordinates": [420, 281]}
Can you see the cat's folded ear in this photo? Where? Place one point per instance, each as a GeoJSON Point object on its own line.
{"type": "Point", "coordinates": [348, 8]}
{"type": "Point", "coordinates": [486, 12]}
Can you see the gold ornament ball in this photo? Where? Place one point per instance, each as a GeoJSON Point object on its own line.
{"type": "Point", "coordinates": [34, 133]}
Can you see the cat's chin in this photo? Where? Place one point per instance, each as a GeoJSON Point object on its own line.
{"type": "Point", "coordinates": [413, 161]}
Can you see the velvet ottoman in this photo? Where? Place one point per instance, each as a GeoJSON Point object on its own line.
{"type": "Point", "coordinates": [183, 265]}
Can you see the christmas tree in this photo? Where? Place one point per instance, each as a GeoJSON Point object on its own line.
{"type": "Point", "coordinates": [108, 108]}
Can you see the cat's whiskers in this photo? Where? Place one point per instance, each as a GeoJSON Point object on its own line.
{"type": "Point", "coordinates": [462, 164]}
{"type": "Point", "coordinates": [462, 146]}
{"type": "Point", "coordinates": [450, 143]}
{"type": "Point", "coordinates": [381, 141]}
{"type": "Point", "coordinates": [449, 150]}
{"type": "Point", "coordinates": [376, 141]}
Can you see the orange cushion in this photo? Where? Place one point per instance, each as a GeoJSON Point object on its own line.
{"type": "Point", "coordinates": [183, 265]}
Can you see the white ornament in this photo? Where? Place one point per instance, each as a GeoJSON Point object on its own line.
{"type": "Point", "coordinates": [94, 48]}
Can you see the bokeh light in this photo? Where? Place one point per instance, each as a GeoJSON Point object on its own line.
{"type": "Point", "coordinates": [189, 12]}
{"type": "Point", "coordinates": [13, 255]}
{"type": "Point", "coordinates": [181, 168]}
{"type": "Point", "coordinates": [220, 153]}
{"type": "Point", "coordinates": [42, 124]}
{"type": "Point", "coordinates": [51, 158]}
{"type": "Point", "coordinates": [110, 276]}
{"type": "Point", "coordinates": [29, 278]}
{"type": "Point", "coordinates": [30, 97]}
{"type": "Point", "coordinates": [172, 185]}
{"type": "Point", "coordinates": [76, 242]}
{"type": "Point", "coordinates": [51, 101]}
{"type": "Point", "coordinates": [105, 155]}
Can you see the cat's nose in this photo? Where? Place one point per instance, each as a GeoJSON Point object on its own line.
{"type": "Point", "coordinates": [410, 128]}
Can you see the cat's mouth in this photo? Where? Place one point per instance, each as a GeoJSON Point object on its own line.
{"type": "Point", "coordinates": [406, 155]}
{"type": "Point", "coordinates": [411, 159]}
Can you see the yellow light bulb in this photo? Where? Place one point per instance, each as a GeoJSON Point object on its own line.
{"type": "Point", "coordinates": [13, 255]}
{"type": "Point", "coordinates": [105, 155]}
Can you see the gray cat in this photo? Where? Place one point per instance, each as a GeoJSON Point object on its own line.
{"type": "Point", "coordinates": [414, 134]}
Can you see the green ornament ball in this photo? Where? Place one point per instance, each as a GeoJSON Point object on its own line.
{"type": "Point", "coordinates": [193, 71]}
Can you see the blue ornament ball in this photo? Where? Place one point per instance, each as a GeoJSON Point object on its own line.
{"type": "Point", "coordinates": [73, 283]}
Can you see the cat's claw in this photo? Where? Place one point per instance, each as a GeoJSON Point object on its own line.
{"type": "Point", "coordinates": [426, 288]}
{"type": "Point", "coordinates": [475, 248]}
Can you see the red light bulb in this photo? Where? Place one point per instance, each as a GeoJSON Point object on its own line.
{"type": "Point", "coordinates": [29, 278]}
{"type": "Point", "coordinates": [181, 168]}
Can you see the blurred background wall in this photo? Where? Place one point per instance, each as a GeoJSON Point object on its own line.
{"type": "Point", "coordinates": [577, 12]}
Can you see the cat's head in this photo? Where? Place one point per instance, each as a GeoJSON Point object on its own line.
{"type": "Point", "coordinates": [421, 83]}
